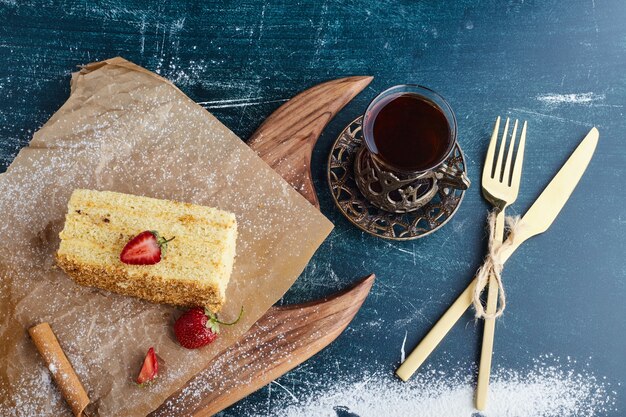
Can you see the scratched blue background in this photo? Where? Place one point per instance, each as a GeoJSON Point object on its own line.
{"type": "Point", "coordinates": [241, 60]}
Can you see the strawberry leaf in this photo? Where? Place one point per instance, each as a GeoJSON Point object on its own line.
{"type": "Point", "coordinates": [213, 325]}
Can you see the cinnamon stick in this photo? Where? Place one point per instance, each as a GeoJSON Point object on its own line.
{"type": "Point", "coordinates": [60, 368]}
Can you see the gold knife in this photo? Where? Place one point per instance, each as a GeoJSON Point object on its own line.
{"type": "Point", "coordinates": [536, 220]}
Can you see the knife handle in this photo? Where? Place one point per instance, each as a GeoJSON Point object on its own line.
{"type": "Point", "coordinates": [437, 333]}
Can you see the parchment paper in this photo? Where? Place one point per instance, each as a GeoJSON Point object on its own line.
{"type": "Point", "coordinates": [126, 129]}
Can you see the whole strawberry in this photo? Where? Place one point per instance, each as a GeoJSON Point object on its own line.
{"type": "Point", "coordinates": [146, 248]}
{"type": "Point", "coordinates": [198, 327]}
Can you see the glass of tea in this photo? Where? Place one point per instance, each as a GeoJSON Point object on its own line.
{"type": "Point", "coordinates": [409, 131]}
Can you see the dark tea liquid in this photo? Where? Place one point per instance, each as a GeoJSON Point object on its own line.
{"type": "Point", "coordinates": [410, 133]}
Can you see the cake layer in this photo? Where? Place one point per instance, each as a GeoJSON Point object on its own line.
{"type": "Point", "coordinates": [194, 271]}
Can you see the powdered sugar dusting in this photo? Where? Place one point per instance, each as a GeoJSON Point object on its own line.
{"type": "Point", "coordinates": [402, 351]}
{"type": "Point", "coordinates": [580, 98]}
{"type": "Point", "coordinates": [549, 388]}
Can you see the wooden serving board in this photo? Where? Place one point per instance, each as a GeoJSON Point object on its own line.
{"type": "Point", "coordinates": [285, 336]}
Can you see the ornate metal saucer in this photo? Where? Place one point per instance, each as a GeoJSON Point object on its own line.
{"type": "Point", "coordinates": [377, 222]}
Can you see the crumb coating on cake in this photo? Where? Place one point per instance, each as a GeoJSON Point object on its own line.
{"type": "Point", "coordinates": [194, 271]}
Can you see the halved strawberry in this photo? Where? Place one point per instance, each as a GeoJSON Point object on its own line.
{"type": "Point", "coordinates": [144, 249]}
{"type": "Point", "coordinates": [149, 369]}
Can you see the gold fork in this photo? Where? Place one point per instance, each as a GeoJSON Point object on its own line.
{"type": "Point", "coordinates": [500, 187]}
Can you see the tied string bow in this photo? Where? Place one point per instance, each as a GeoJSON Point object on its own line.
{"type": "Point", "coordinates": [493, 264]}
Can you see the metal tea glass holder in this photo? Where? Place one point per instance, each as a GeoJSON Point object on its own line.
{"type": "Point", "coordinates": [395, 223]}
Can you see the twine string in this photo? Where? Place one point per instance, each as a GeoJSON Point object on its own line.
{"type": "Point", "coordinates": [493, 265]}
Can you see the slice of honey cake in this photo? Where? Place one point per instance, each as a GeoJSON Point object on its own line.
{"type": "Point", "coordinates": [193, 269]}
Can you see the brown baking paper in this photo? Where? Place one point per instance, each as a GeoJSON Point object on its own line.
{"type": "Point", "coordinates": [59, 367]}
{"type": "Point", "coordinates": [126, 129]}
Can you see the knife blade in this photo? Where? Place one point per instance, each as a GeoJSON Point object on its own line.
{"type": "Point", "coordinates": [537, 220]}
{"type": "Point", "coordinates": [548, 205]}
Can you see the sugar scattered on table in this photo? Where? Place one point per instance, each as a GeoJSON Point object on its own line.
{"type": "Point", "coordinates": [549, 388]}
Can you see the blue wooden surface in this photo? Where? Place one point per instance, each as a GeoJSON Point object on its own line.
{"type": "Point", "coordinates": [567, 288]}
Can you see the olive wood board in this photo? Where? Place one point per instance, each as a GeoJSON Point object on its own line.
{"type": "Point", "coordinates": [285, 336]}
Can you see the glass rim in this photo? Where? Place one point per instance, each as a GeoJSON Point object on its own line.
{"type": "Point", "coordinates": [424, 93]}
